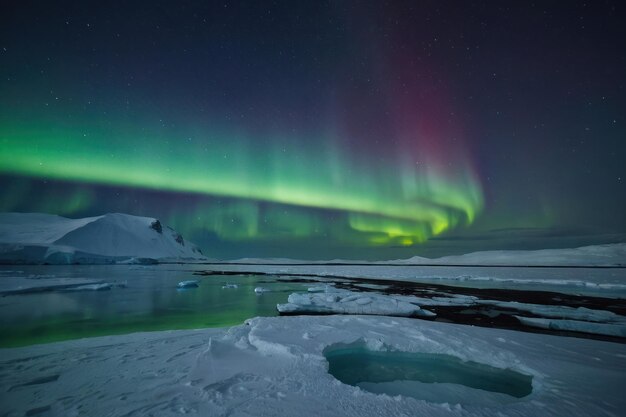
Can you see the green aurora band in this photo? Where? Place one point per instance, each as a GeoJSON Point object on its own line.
{"type": "Point", "coordinates": [381, 200]}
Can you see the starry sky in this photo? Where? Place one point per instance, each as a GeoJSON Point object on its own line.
{"type": "Point", "coordinates": [320, 130]}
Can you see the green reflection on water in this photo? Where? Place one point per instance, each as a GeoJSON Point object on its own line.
{"type": "Point", "coordinates": [145, 305]}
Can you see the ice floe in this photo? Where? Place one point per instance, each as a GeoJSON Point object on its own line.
{"type": "Point", "coordinates": [608, 329]}
{"type": "Point", "coordinates": [334, 301]}
{"type": "Point", "coordinates": [22, 285]}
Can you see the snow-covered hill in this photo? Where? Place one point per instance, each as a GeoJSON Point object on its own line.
{"type": "Point", "coordinates": [46, 238]}
{"type": "Point", "coordinates": [596, 255]}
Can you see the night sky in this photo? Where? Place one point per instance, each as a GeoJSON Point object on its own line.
{"type": "Point", "coordinates": [344, 129]}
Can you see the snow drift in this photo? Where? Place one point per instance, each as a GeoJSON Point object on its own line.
{"type": "Point", "coordinates": [45, 238]}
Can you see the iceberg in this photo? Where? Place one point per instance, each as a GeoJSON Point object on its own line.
{"type": "Point", "coordinates": [193, 283]}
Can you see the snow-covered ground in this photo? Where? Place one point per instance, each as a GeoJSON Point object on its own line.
{"type": "Point", "coordinates": [276, 366]}
{"type": "Point", "coordinates": [46, 238]}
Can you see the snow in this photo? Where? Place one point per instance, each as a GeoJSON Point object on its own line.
{"type": "Point", "coordinates": [335, 301]}
{"type": "Point", "coordinates": [44, 238]}
{"type": "Point", "coordinates": [276, 366]}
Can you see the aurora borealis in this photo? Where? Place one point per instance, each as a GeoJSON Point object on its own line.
{"type": "Point", "coordinates": [315, 129]}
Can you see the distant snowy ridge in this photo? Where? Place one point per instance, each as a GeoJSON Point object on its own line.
{"type": "Point", "coordinates": [596, 255]}
{"type": "Point", "coordinates": [110, 238]}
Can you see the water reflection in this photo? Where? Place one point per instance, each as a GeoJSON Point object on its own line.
{"type": "Point", "coordinates": [149, 300]}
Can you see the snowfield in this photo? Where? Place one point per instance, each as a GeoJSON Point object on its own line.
{"type": "Point", "coordinates": [276, 366]}
{"type": "Point", "coordinates": [45, 238]}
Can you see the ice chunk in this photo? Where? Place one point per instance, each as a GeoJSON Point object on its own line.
{"type": "Point", "coordinates": [261, 290]}
{"type": "Point", "coordinates": [92, 287]}
{"type": "Point", "coordinates": [230, 286]}
{"type": "Point", "coordinates": [192, 283]}
{"type": "Point", "coordinates": [319, 288]}
{"type": "Point", "coordinates": [363, 300]}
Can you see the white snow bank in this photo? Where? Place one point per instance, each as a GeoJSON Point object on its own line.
{"type": "Point", "coordinates": [275, 366]}
{"type": "Point", "coordinates": [334, 301]}
{"type": "Point", "coordinates": [44, 238]}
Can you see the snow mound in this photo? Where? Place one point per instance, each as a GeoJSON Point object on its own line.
{"type": "Point", "coordinates": [111, 238]}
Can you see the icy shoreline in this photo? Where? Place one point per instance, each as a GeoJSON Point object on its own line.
{"type": "Point", "coordinates": [609, 283]}
{"type": "Point", "coordinates": [275, 366]}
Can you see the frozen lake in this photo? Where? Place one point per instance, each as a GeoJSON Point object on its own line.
{"type": "Point", "coordinates": [466, 355]}
{"type": "Point", "coordinates": [143, 298]}
{"type": "Point", "coordinates": [146, 297]}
